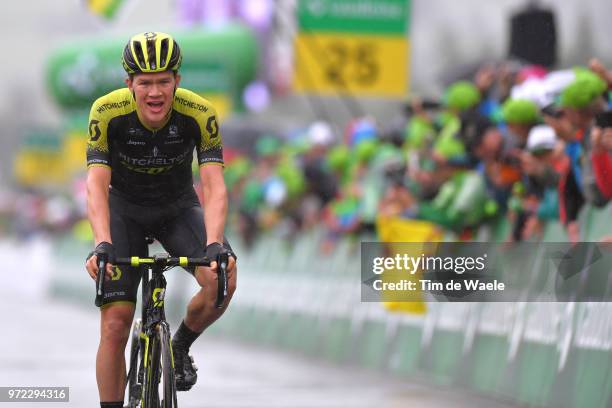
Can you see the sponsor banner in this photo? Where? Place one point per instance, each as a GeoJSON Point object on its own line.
{"type": "Point", "coordinates": [351, 64]}
{"type": "Point", "coordinates": [389, 229]}
{"type": "Point", "coordinates": [213, 62]}
{"type": "Point", "coordinates": [355, 16]}
{"type": "Point", "coordinates": [353, 47]}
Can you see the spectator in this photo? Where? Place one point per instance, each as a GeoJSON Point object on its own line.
{"type": "Point", "coordinates": [541, 163]}
{"type": "Point", "coordinates": [520, 116]}
{"type": "Point", "coordinates": [580, 101]}
{"type": "Point", "coordinates": [320, 182]}
{"type": "Point", "coordinates": [498, 162]}
{"type": "Point", "coordinates": [601, 141]}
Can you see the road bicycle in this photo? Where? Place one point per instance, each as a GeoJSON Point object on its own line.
{"type": "Point", "coordinates": [151, 382]}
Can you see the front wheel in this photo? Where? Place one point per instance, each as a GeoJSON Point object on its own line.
{"type": "Point", "coordinates": [159, 382]}
{"type": "Point", "coordinates": [167, 362]}
{"type": "Point", "coordinates": [134, 382]}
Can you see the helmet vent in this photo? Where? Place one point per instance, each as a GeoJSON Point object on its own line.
{"type": "Point", "coordinates": [163, 54]}
{"type": "Point", "coordinates": [151, 53]}
{"type": "Point", "coordinates": [139, 54]}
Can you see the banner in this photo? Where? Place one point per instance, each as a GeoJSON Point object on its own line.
{"type": "Point", "coordinates": [393, 231]}
{"type": "Point", "coordinates": [357, 47]}
{"type": "Point", "coordinates": [215, 63]}
{"type": "Point", "coordinates": [39, 160]}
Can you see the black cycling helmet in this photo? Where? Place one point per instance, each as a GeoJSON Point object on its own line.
{"type": "Point", "coordinates": [151, 52]}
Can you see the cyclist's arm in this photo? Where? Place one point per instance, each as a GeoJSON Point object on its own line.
{"type": "Point", "coordinates": [214, 201]}
{"type": "Point", "coordinates": [210, 158]}
{"type": "Point", "coordinates": [98, 181]}
{"type": "Point", "coordinates": [99, 169]}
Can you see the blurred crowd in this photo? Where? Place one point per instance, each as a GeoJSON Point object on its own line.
{"type": "Point", "coordinates": [515, 141]}
{"type": "Point", "coordinates": [28, 213]}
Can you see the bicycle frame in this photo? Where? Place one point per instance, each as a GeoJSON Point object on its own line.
{"type": "Point", "coordinates": [153, 314]}
{"type": "Point", "coordinates": [153, 293]}
{"type": "Point", "coordinates": [151, 337]}
{"type": "Point", "coordinates": [153, 322]}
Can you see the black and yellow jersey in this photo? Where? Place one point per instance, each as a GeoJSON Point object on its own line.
{"type": "Point", "coordinates": [152, 165]}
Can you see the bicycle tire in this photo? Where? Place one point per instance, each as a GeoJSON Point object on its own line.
{"type": "Point", "coordinates": [152, 375]}
{"type": "Point", "coordinates": [134, 386]}
{"type": "Point", "coordinates": [167, 360]}
{"type": "Point", "coordinates": [160, 385]}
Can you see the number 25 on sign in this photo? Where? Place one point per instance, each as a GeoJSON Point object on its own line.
{"type": "Point", "coordinates": [357, 64]}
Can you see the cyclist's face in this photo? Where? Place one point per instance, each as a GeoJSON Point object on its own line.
{"type": "Point", "coordinates": [154, 94]}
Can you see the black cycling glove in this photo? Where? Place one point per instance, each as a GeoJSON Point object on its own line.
{"type": "Point", "coordinates": [104, 249]}
{"type": "Point", "coordinates": [215, 249]}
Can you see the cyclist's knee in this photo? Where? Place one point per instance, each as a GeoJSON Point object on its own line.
{"type": "Point", "coordinates": [116, 324]}
{"type": "Point", "coordinates": [115, 331]}
{"type": "Point", "coordinates": [202, 303]}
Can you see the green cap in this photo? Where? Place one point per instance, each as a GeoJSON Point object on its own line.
{"type": "Point", "coordinates": [520, 111]}
{"type": "Point", "coordinates": [339, 158]}
{"type": "Point", "coordinates": [462, 96]}
{"type": "Point", "coordinates": [365, 150]}
{"type": "Point", "coordinates": [585, 89]}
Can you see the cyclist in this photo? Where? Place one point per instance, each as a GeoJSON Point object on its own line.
{"type": "Point", "coordinates": [139, 184]}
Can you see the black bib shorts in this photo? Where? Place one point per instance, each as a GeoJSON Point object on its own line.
{"type": "Point", "coordinates": [178, 225]}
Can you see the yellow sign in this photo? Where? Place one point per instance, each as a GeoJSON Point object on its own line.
{"type": "Point", "coordinates": [371, 65]}
{"type": "Point", "coordinates": [33, 168]}
{"type": "Point", "coordinates": [74, 151]}
{"type": "Point", "coordinates": [394, 231]}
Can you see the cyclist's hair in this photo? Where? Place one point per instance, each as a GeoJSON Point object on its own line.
{"type": "Point", "coordinates": [151, 52]}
